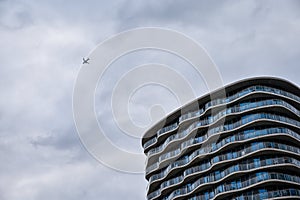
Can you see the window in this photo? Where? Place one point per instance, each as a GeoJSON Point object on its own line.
{"type": "Point", "coordinates": [206, 179]}
{"type": "Point", "coordinates": [218, 175]}
{"type": "Point", "coordinates": [276, 193]}
{"type": "Point", "coordinates": [206, 196]}
{"type": "Point", "coordinates": [233, 138]}
{"type": "Point", "coordinates": [293, 192]}
{"type": "Point", "coordinates": [263, 194]}
{"type": "Point", "coordinates": [239, 184]}
{"type": "Point", "coordinates": [220, 188]}
{"type": "Point", "coordinates": [214, 147]}
{"type": "Point", "coordinates": [269, 161]}
{"type": "Point", "coordinates": [189, 186]}
{"type": "Point", "coordinates": [229, 155]}
{"type": "Point", "coordinates": [240, 198]}
{"type": "Point", "coordinates": [254, 146]}
{"type": "Point", "coordinates": [234, 154]}
{"type": "Point", "coordinates": [244, 119]}
{"type": "Point", "coordinates": [236, 167]}
{"type": "Point", "coordinates": [216, 159]}
{"type": "Point", "coordinates": [233, 185]}
{"type": "Point", "coordinates": [256, 162]}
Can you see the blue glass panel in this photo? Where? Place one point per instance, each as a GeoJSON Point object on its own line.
{"type": "Point", "coordinates": [257, 162]}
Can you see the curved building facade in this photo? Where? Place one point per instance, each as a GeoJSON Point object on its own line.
{"type": "Point", "coordinates": [244, 143]}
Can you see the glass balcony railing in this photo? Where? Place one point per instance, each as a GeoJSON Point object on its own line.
{"type": "Point", "coordinates": [240, 167]}
{"type": "Point", "coordinates": [238, 95]}
{"type": "Point", "coordinates": [235, 109]}
{"type": "Point", "coordinates": [248, 181]}
{"type": "Point", "coordinates": [150, 142]}
{"type": "Point", "coordinates": [248, 134]}
{"type": "Point", "coordinates": [275, 192]}
{"type": "Point", "coordinates": [235, 154]}
{"type": "Point", "coordinates": [183, 146]}
{"type": "Point", "coordinates": [245, 120]}
{"type": "Point", "coordinates": [167, 128]}
{"type": "Point", "coordinates": [218, 102]}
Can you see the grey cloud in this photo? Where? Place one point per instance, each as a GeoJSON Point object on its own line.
{"type": "Point", "coordinates": [14, 16]}
{"type": "Point", "coordinates": [43, 43]}
{"type": "Point", "coordinates": [157, 13]}
{"type": "Point", "coordinates": [60, 139]}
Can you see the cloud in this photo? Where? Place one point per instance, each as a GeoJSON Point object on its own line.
{"type": "Point", "coordinates": [14, 16]}
{"type": "Point", "coordinates": [254, 37]}
{"type": "Point", "coordinates": [42, 45]}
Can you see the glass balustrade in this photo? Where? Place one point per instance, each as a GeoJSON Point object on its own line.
{"type": "Point", "coordinates": [263, 194]}
{"type": "Point", "coordinates": [249, 164]}
{"type": "Point", "coordinates": [187, 131]}
{"type": "Point", "coordinates": [207, 164]}
{"type": "Point", "coordinates": [245, 120]}
{"type": "Point", "coordinates": [242, 182]}
{"type": "Point", "coordinates": [150, 142]}
{"type": "Point", "coordinates": [213, 119]}
{"type": "Point", "coordinates": [237, 137]}
{"type": "Point", "coordinates": [216, 102]}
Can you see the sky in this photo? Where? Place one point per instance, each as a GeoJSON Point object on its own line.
{"type": "Point", "coordinates": [42, 45]}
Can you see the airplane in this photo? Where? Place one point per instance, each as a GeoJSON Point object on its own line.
{"type": "Point", "coordinates": [85, 61]}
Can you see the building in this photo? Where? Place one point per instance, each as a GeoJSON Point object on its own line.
{"type": "Point", "coordinates": [244, 144]}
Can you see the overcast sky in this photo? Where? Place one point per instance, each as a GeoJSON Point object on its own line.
{"type": "Point", "coordinates": [42, 45]}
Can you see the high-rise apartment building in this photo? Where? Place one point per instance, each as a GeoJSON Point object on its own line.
{"type": "Point", "coordinates": [242, 144]}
